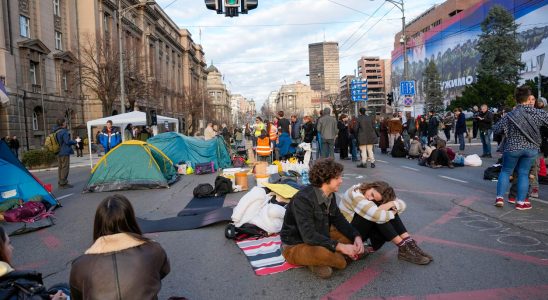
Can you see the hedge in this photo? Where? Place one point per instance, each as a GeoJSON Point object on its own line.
{"type": "Point", "coordinates": [40, 157]}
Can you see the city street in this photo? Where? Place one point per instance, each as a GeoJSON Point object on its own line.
{"type": "Point", "coordinates": [480, 251]}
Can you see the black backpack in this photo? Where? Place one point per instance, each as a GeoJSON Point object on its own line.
{"type": "Point", "coordinates": [492, 173]}
{"type": "Point", "coordinates": [223, 186]}
{"type": "Point", "coordinates": [246, 231]}
{"type": "Point", "coordinates": [204, 190]}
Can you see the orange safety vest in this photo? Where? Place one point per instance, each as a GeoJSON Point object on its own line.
{"type": "Point", "coordinates": [273, 134]}
{"type": "Point", "coordinates": [263, 146]}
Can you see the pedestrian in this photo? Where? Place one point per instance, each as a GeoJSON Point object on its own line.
{"type": "Point", "coordinates": [79, 146]}
{"type": "Point", "coordinates": [383, 134]}
{"type": "Point", "coordinates": [433, 126]}
{"type": "Point", "coordinates": [272, 131]}
{"type": "Point", "coordinates": [460, 127]}
{"type": "Point", "coordinates": [367, 138]}
{"type": "Point", "coordinates": [353, 135]}
{"type": "Point", "coordinates": [121, 263]}
{"type": "Point", "coordinates": [128, 132]}
{"type": "Point", "coordinates": [447, 122]}
{"type": "Point", "coordinates": [475, 113]}
{"type": "Point", "coordinates": [439, 156]}
{"type": "Point", "coordinates": [521, 129]}
{"type": "Point", "coordinates": [209, 133]}
{"type": "Point", "coordinates": [327, 128]}
{"type": "Point", "coordinates": [343, 137]}
{"type": "Point", "coordinates": [314, 232]}
{"type": "Point", "coordinates": [225, 133]}
{"type": "Point", "coordinates": [283, 123]}
{"type": "Point", "coordinates": [98, 143]}
{"type": "Point", "coordinates": [410, 128]}
{"type": "Point", "coordinates": [395, 128]}
{"type": "Point", "coordinates": [258, 127]}
{"type": "Point", "coordinates": [10, 279]}
{"type": "Point", "coordinates": [264, 147]}
{"type": "Point", "coordinates": [415, 149]}
{"type": "Point", "coordinates": [423, 130]}
{"type": "Point", "coordinates": [295, 130]}
{"type": "Point", "coordinates": [485, 122]}
{"type": "Point", "coordinates": [110, 137]}
{"type": "Point", "coordinates": [318, 136]}
{"type": "Point", "coordinates": [14, 145]}
{"type": "Point", "coordinates": [238, 137]}
{"type": "Point", "coordinates": [309, 133]}
{"type": "Point", "coordinates": [65, 150]}
{"type": "Point", "coordinates": [374, 210]}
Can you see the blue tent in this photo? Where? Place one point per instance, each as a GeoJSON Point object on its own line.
{"type": "Point", "coordinates": [17, 181]}
{"type": "Point", "coordinates": [182, 148]}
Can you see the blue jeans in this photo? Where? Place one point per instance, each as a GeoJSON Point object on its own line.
{"type": "Point", "coordinates": [354, 149]}
{"type": "Point", "coordinates": [461, 141]}
{"type": "Point", "coordinates": [521, 160]}
{"type": "Point", "coordinates": [319, 143]}
{"type": "Point", "coordinates": [424, 140]}
{"type": "Point", "coordinates": [485, 137]}
{"type": "Point", "coordinates": [328, 148]}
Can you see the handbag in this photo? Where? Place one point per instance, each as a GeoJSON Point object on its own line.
{"type": "Point", "coordinates": [204, 168]}
{"type": "Point", "coordinates": [28, 212]}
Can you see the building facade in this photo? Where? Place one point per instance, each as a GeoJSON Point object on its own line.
{"type": "Point", "coordinates": [39, 68]}
{"type": "Point", "coordinates": [323, 65]}
{"type": "Point", "coordinates": [219, 112]}
{"type": "Point", "coordinates": [372, 68]}
{"type": "Point", "coordinates": [299, 99]}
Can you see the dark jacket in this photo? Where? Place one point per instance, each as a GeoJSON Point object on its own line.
{"type": "Point", "coordinates": [309, 132]}
{"type": "Point", "coordinates": [25, 279]}
{"type": "Point", "coordinates": [119, 267]}
{"type": "Point", "coordinates": [65, 143]}
{"type": "Point", "coordinates": [306, 221]}
{"type": "Point", "coordinates": [433, 125]}
{"type": "Point", "coordinates": [487, 122]}
{"type": "Point", "coordinates": [411, 126]}
{"type": "Point", "coordinates": [112, 141]}
{"type": "Point", "coordinates": [460, 127]}
{"type": "Point", "coordinates": [327, 125]}
{"type": "Point", "coordinates": [296, 129]}
{"type": "Point", "coordinates": [366, 130]}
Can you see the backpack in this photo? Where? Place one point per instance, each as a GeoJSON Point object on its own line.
{"type": "Point", "coordinates": [243, 232]}
{"type": "Point", "coordinates": [203, 190]}
{"type": "Point", "coordinates": [223, 186]}
{"type": "Point", "coordinates": [238, 161]}
{"type": "Point", "coordinates": [492, 173]}
{"type": "Point", "coordinates": [51, 143]}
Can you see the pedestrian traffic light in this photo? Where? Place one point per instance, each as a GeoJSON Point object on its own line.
{"type": "Point", "coordinates": [232, 3]}
{"type": "Point", "coordinates": [389, 98]}
{"type": "Point", "coordinates": [153, 118]}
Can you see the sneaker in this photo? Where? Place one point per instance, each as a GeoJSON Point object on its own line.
{"type": "Point", "coordinates": [372, 165]}
{"type": "Point", "coordinates": [407, 253]}
{"type": "Point", "coordinates": [534, 193]}
{"type": "Point", "coordinates": [323, 272]}
{"type": "Point", "coordinates": [523, 206]}
{"type": "Point", "coordinates": [512, 200]}
{"type": "Point", "coordinates": [499, 202]}
{"type": "Point", "coordinates": [362, 166]}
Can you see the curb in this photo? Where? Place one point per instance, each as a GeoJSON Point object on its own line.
{"type": "Point", "coordinates": [55, 168]}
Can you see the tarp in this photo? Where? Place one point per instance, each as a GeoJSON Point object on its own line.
{"type": "Point", "coordinates": [137, 118]}
{"type": "Point", "coordinates": [132, 165]}
{"type": "Point", "coordinates": [181, 148]}
{"type": "Point", "coordinates": [16, 181]}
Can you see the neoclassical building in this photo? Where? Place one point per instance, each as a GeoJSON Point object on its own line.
{"type": "Point", "coordinates": [220, 111]}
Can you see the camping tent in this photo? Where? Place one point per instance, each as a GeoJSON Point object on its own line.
{"type": "Point", "coordinates": [132, 165]}
{"type": "Point", "coordinates": [17, 181]}
{"type": "Point", "coordinates": [182, 148]}
{"type": "Point", "coordinates": [138, 118]}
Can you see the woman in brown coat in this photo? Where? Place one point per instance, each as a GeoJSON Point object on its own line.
{"type": "Point", "coordinates": [383, 134]}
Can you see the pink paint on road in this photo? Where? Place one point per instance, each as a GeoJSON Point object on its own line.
{"type": "Point", "coordinates": [50, 240]}
{"type": "Point", "coordinates": [450, 215]}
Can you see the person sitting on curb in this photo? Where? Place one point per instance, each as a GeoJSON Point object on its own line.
{"type": "Point", "coordinates": [373, 209]}
{"type": "Point", "coordinates": [315, 233]}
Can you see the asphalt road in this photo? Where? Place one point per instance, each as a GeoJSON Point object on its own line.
{"type": "Point", "coordinates": [480, 251]}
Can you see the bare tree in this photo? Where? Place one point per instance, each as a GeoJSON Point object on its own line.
{"type": "Point", "coordinates": [339, 104]}
{"type": "Point", "coordinates": [134, 73]}
{"type": "Point", "coordinates": [195, 101]}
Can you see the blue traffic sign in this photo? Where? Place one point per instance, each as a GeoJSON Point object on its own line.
{"type": "Point", "coordinates": [407, 87]}
{"type": "Point", "coordinates": [358, 90]}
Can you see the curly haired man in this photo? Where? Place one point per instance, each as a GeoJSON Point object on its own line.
{"type": "Point", "coordinates": [315, 233]}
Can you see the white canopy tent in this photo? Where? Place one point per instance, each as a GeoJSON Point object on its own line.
{"type": "Point", "coordinates": [138, 118]}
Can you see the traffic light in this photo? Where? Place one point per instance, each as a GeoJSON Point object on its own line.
{"type": "Point", "coordinates": [232, 3]}
{"type": "Point", "coordinates": [249, 5]}
{"type": "Point", "coordinates": [216, 5]}
{"type": "Point", "coordinates": [231, 7]}
{"type": "Point", "coordinates": [389, 98]}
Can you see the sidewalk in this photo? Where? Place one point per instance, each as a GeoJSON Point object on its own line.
{"type": "Point", "coordinates": [75, 162]}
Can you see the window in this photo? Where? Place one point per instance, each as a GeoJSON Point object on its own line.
{"type": "Point", "coordinates": [106, 23]}
{"type": "Point", "coordinates": [56, 8]}
{"type": "Point", "coordinates": [34, 121]}
{"type": "Point", "coordinates": [24, 26]}
{"type": "Point", "coordinates": [32, 72]}
{"type": "Point", "coordinates": [58, 41]}
{"type": "Point", "coordinates": [64, 81]}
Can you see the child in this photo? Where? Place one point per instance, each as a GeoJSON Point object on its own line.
{"type": "Point", "coordinates": [373, 209]}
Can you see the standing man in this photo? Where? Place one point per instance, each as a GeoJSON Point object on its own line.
{"type": "Point", "coordinates": [283, 124]}
{"type": "Point", "coordinates": [15, 146]}
{"type": "Point", "coordinates": [315, 233]}
{"type": "Point", "coordinates": [433, 126]}
{"type": "Point", "coordinates": [475, 119]}
{"type": "Point", "coordinates": [327, 128]}
{"type": "Point", "coordinates": [110, 137]}
{"type": "Point", "coordinates": [485, 122]}
{"type": "Point", "coordinates": [460, 127]}
{"type": "Point", "coordinates": [295, 130]}
{"type": "Point", "coordinates": [367, 138]}
{"type": "Point", "coordinates": [65, 150]}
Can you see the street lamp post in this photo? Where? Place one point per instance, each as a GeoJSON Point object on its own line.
{"type": "Point", "coordinates": [120, 47]}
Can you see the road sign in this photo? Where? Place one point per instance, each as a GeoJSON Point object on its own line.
{"type": "Point", "coordinates": [358, 90]}
{"type": "Point", "coordinates": [408, 101]}
{"type": "Point", "coordinates": [407, 87]}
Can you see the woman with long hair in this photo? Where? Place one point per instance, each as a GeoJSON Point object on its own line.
{"type": "Point", "coordinates": [121, 263]}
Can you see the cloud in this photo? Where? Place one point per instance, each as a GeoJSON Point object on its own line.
{"type": "Point", "coordinates": [256, 60]}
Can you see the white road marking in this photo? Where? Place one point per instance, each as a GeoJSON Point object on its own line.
{"type": "Point", "coordinates": [383, 161]}
{"type": "Point", "coordinates": [538, 200]}
{"type": "Point", "coordinates": [451, 178]}
{"type": "Point", "coordinates": [359, 177]}
{"type": "Point", "coordinates": [406, 167]}
{"type": "Point", "coordinates": [65, 196]}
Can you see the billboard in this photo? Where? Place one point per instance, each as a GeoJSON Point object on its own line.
{"type": "Point", "coordinates": [452, 45]}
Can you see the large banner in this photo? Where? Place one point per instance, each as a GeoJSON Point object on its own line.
{"type": "Point", "coordinates": [452, 45]}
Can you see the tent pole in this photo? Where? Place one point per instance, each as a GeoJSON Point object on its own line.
{"type": "Point", "coordinates": [89, 148]}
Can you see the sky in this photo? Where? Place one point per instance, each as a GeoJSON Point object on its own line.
{"type": "Point", "coordinates": [260, 51]}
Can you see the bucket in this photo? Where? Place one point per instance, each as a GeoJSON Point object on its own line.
{"type": "Point", "coordinates": [261, 179]}
{"type": "Point", "coordinates": [260, 168]}
{"type": "Point", "coordinates": [241, 180]}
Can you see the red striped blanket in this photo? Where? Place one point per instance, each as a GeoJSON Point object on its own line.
{"type": "Point", "coordinates": [265, 255]}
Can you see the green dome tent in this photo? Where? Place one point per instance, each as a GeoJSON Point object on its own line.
{"type": "Point", "coordinates": [132, 165]}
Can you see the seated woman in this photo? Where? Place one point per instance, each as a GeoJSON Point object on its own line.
{"type": "Point", "coordinates": [373, 209]}
{"type": "Point", "coordinates": [415, 148]}
{"type": "Point", "coordinates": [439, 157]}
{"type": "Point", "coordinates": [10, 279]}
{"type": "Point", "coordinates": [121, 263]}
{"type": "Point", "coordinates": [398, 150]}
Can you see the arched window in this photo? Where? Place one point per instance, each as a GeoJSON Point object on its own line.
{"type": "Point", "coordinates": [37, 118]}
